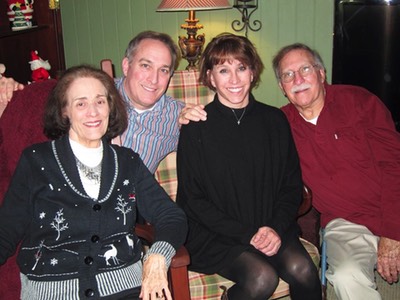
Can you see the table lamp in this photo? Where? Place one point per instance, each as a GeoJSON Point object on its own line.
{"type": "Point", "coordinates": [192, 45]}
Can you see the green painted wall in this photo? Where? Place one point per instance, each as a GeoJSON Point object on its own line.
{"type": "Point", "coordinates": [97, 29]}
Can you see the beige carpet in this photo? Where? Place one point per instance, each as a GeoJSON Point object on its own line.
{"type": "Point", "coordinates": [388, 292]}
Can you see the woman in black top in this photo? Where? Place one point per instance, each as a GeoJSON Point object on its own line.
{"type": "Point", "coordinates": [240, 182]}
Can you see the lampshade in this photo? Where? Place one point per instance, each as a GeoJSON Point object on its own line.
{"type": "Point", "coordinates": [183, 5]}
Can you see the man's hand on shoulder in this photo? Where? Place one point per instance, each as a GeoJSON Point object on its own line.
{"type": "Point", "coordinates": [192, 112]}
{"type": "Point", "coordinates": [388, 264]}
{"type": "Point", "coordinates": [7, 88]}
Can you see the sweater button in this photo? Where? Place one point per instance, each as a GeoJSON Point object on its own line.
{"type": "Point", "coordinates": [89, 293]}
{"type": "Point", "coordinates": [96, 207]}
{"type": "Point", "coordinates": [95, 238]}
{"type": "Point", "coordinates": [88, 260]}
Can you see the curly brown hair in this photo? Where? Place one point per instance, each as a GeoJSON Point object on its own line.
{"type": "Point", "coordinates": [56, 124]}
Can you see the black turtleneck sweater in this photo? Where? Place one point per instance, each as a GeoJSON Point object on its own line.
{"type": "Point", "coordinates": [235, 178]}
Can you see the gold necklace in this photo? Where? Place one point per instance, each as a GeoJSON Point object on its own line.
{"type": "Point", "coordinates": [241, 116]}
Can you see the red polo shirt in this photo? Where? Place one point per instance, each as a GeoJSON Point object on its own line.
{"type": "Point", "coordinates": [351, 159]}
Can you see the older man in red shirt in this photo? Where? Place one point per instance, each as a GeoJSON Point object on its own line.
{"type": "Point", "coordinates": [350, 158]}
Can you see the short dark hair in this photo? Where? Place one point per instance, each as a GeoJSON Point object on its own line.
{"type": "Point", "coordinates": [225, 47]}
{"type": "Point", "coordinates": [158, 36]}
{"type": "Point", "coordinates": [56, 124]}
{"type": "Point", "coordinates": [296, 46]}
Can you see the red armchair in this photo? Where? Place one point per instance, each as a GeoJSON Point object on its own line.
{"type": "Point", "coordinates": [20, 126]}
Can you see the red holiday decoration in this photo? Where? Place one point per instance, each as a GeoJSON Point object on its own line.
{"type": "Point", "coordinates": [39, 67]}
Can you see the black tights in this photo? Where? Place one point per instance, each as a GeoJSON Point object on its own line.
{"type": "Point", "coordinates": [257, 275]}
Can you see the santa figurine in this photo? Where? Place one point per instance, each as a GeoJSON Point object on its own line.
{"type": "Point", "coordinates": [39, 67]}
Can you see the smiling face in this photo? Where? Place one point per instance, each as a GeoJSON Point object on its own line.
{"type": "Point", "coordinates": [305, 92]}
{"type": "Point", "coordinates": [148, 74]}
{"type": "Point", "coordinates": [88, 111]}
{"type": "Point", "coordinates": [232, 81]}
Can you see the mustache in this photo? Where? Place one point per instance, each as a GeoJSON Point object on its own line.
{"type": "Point", "coordinates": [300, 87]}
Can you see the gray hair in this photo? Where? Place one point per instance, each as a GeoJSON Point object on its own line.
{"type": "Point", "coordinates": [296, 46]}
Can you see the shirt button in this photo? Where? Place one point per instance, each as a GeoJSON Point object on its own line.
{"type": "Point", "coordinates": [89, 293]}
{"type": "Point", "coordinates": [96, 207]}
{"type": "Point", "coordinates": [95, 238]}
{"type": "Point", "coordinates": [88, 260]}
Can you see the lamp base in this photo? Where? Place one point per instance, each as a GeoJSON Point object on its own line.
{"type": "Point", "coordinates": [191, 48]}
{"type": "Point", "coordinates": [192, 45]}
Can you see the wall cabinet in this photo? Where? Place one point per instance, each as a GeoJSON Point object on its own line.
{"type": "Point", "coordinates": [45, 37]}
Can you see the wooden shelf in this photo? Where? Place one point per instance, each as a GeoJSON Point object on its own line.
{"type": "Point", "coordinates": [6, 32]}
{"type": "Point", "coordinates": [45, 37]}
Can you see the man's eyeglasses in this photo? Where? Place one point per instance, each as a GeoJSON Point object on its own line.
{"type": "Point", "coordinates": [304, 71]}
